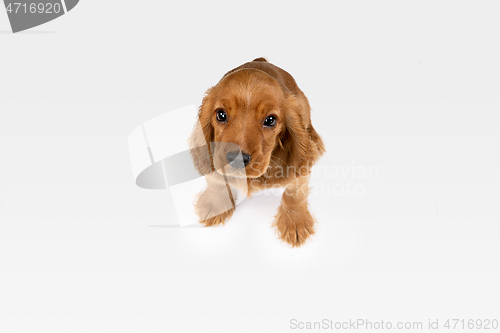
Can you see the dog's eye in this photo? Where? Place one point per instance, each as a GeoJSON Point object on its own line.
{"type": "Point", "coordinates": [270, 121]}
{"type": "Point", "coordinates": [220, 115]}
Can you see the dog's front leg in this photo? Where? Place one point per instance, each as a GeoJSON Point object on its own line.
{"type": "Point", "coordinates": [216, 204]}
{"type": "Point", "coordinates": [293, 222]}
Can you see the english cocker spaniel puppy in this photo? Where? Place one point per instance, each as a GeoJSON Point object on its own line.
{"type": "Point", "coordinates": [257, 127]}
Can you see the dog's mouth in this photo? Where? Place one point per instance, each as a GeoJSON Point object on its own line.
{"type": "Point", "coordinates": [246, 172]}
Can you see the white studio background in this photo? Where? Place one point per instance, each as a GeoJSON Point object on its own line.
{"type": "Point", "coordinates": [408, 89]}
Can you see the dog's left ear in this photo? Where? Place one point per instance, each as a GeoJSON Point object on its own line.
{"type": "Point", "coordinates": [295, 140]}
{"type": "Point", "coordinates": [202, 137]}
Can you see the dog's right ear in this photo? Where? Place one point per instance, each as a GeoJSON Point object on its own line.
{"type": "Point", "coordinates": [202, 136]}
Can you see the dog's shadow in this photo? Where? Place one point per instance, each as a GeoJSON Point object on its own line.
{"type": "Point", "coordinates": [261, 207]}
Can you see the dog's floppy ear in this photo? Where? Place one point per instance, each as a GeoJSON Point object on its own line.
{"type": "Point", "coordinates": [295, 139]}
{"type": "Point", "coordinates": [202, 136]}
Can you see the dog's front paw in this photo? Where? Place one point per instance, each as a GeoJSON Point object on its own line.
{"type": "Point", "coordinates": [212, 210]}
{"type": "Point", "coordinates": [218, 219]}
{"type": "Point", "coordinates": [294, 226]}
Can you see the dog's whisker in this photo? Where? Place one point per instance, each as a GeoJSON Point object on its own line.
{"type": "Point", "coordinates": [271, 160]}
{"type": "Point", "coordinates": [204, 158]}
{"type": "Point", "coordinates": [274, 157]}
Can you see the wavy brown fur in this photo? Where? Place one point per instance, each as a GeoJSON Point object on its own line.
{"type": "Point", "coordinates": [281, 156]}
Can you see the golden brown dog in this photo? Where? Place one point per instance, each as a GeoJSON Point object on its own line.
{"type": "Point", "coordinates": [258, 108]}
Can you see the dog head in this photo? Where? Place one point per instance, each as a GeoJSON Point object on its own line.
{"type": "Point", "coordinates": [248, 109]}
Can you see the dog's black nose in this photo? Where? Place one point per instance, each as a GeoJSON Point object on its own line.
{"type": "Point", "coordinates": [238, 163]}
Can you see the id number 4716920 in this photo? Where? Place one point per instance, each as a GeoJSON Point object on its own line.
{"type": "Point", "coordinates": [33, 8]}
